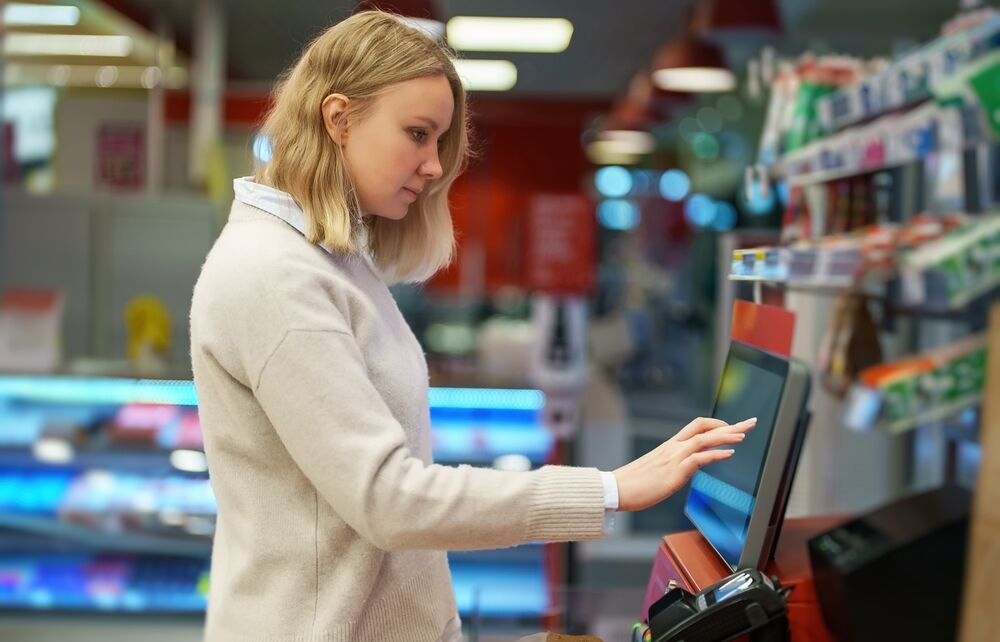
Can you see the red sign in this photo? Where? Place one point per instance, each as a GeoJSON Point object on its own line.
{"type": "Point", "coordinates": [767, 327]}
{"type": "Point", "coordinates": [560, 244]}
{"type": "Point", "coordinates": [121, 157]}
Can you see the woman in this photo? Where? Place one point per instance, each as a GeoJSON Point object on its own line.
{"type": "Point", "coordinates": [333, 521]}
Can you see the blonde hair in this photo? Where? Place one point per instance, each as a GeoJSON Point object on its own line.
{"type": "Point", "coordinates": [360, 57]}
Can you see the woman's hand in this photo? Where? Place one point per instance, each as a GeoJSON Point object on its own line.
{"type": "Point", "coordinates": [664, 470]}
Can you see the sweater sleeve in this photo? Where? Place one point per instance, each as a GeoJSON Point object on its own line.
{"type": "Point", "coordinates": [315, 390]}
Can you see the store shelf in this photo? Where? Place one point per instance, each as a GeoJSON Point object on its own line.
{"type": "Point", "coordinates": [940, 275]}
{"type": "Point", "coordinates": [930, 387]}
{"type": "Point", "coordinates": [103, 583]}
{"type": "Point", "coordinates": [914, 76]}
{"type": "Point", "coordinates": [92, 538]}
{"type": "Point", "coordinates": [110, 494]}
{"type": "Point", "coordinates": [915, 107]}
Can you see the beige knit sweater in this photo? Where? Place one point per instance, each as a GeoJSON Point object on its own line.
{"type": "Point", "coordinates": [333, 520]}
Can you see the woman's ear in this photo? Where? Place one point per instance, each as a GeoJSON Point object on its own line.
{"type": "Point", "coordinates": [334, 109]}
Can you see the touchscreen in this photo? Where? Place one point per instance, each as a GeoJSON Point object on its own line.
{"type": "Point", "coordinates": [723, 494]}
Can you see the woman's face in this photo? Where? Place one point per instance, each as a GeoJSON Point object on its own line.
{"type": "Point", "coordinates": [392, 153]}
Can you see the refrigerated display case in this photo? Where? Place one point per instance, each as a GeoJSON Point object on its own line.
{"type": "Point", "coordinates": [106, 504]}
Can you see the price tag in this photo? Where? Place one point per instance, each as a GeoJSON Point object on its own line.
{"type": "Point", "coordinates": [914, 287]}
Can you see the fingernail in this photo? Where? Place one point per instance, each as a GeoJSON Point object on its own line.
{"type": "Point", "coordinates": [752, 420]}
{"type": "Point", "coordinates": [742, 436]}
{"type": "Point", "coordinates": [730, 451]}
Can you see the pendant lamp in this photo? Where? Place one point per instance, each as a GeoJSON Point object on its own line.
{"type": "Point", "coordinates": [692, 66]}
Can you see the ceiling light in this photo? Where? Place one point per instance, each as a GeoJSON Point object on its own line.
{"type": "Point", "coordinates": [629, 141]}
{"type": "Point", "coordinates": [692, 66]}
{"type": "Point", "coordinates": [18, 73]}
{"type": "Point", "coordinates": [58, 75]}
{"type": "Point", "coordinates": [697, 80]}
{"type": "Point", "coordinates": [106, 76]}
{"type": "Point", "coordinates": [433, 29]}
{"type": "Point", "coordinates": [606, 152]}
{"type": "Point", "coordinates": [40, 44]}
{"type": "Point", "coordinates": [534, 35]}
{"type": "Point", "coordinates": [151, 77]}
{"type": "Point", "coordinates": [486, 75]}
{"type": "Point", "coordinates": [17, 14]}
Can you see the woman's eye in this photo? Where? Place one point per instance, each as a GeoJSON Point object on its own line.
{"type": "Point", "coordinates": [419, 135]}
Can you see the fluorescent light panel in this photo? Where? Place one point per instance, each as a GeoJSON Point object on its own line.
{"type": "Point", "coordinates": [18, 14]}
{"type": "Point", "coordinates": [43, 44]}
{"type": "Point", "coordinates": [531, 35]}
{"type": "Point", "coordinates": [486, 75]}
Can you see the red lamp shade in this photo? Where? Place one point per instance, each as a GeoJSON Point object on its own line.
{"type": "Point", "coordinates": [732, 17]}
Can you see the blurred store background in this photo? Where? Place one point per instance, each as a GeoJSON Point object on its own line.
{"type": "Point", "coordinates": [640, 166]}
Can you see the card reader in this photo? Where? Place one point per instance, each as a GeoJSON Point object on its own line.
{"type": "Point", "coordinates": [746, 602]}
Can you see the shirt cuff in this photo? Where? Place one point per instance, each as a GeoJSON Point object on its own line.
{"type": "Point", "coordinates": [610, 501]}
{"type": "Point", "coordinates": [610, 490]}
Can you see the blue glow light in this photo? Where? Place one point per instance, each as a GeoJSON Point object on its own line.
{"type": "Point", "coordinates": [725, 216]}
{"type": "Point", "coordinates": [781, 187]}
{"type": "Point", "coordinates": [613, 181]}
{"type": "Point", "coordinates": [674, 185]}
{"type": "Point", "coordinates": [483, 442]}
{"type": "Point", "coordinates": [488, 398]}
{"type": "Point", "coordinates": [262, 148]}
{"type": "Point", "coordinates": [494, 588]}
{"type": "Point", "coordinates": [99, 390]}
{"type": "Point", "coordinates": [618, 214]}
{"type": "Point", "coordinates": [106, 390]}
{"type": "Point", "coordinates": [700, 210]}
{"type": "Point", "coordinates": [758, 203]}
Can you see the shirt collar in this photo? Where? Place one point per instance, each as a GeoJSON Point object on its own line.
{"type": "Point", "coordinates": [283, 206]}
{"type": "Point", "coordinates": [271, 200]}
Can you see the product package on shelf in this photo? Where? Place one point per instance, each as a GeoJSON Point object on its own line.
{"type": "Point", "coordinates": [30, 322]}
{"type": "Point", "coordinates": [844, 117]}
{"type": "Point", "coordinates": [949, 271]}
{"type": "Point", "coordinates": [913, 77]}
{"type": "Point", "coordinates": [942, 262]}
{"type": "Point", "coordinates": [932, 386]}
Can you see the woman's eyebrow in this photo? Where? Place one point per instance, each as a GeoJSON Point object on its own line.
{"type": "Point", "coordinates": [430, 122]}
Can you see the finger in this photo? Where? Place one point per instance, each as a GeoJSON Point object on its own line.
{"type": "Point", "coordinates": [712, 439]}
{"type": "Point", "coordinates": [690, 464]}
{"type": "Point", "coordinates": [708, 456]}
{"type": "Point", "coordinates": [743, 426]}
{"type": "Point", "coordinates": [698, 426]}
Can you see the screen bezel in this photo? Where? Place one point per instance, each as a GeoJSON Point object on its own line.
{"type": "Point", "coordinates": [778, 465]}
